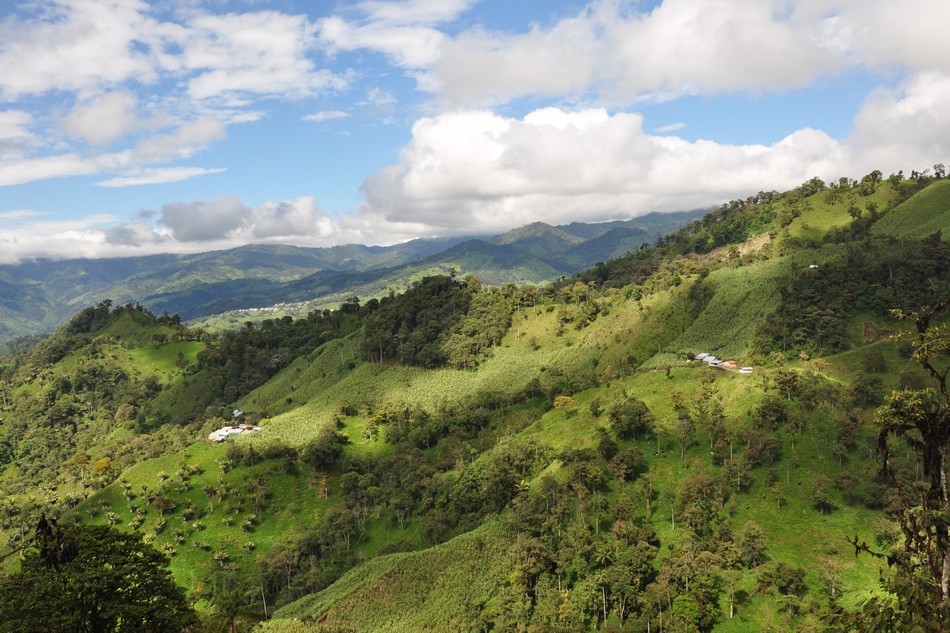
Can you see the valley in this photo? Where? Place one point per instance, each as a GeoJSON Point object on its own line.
{"type": "Point", "coordinates": [475, 439]}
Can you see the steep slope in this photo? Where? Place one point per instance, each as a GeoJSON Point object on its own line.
{"type": "Point", "coordinates": [581, 472]}
{"type": "Point", "coordinates": [925, 213]}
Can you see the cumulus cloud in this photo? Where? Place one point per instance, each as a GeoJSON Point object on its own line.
{"type": "Point", "coordinates": [228, 219]}
{"type": "Point", "coordinates": [468, 169]}
{"type": "Point", "coordinates": [679, 47]}
{"type": "Point", "coordinates": [621, 53]}
{"type": "Point", "coordinates": [908, 126]}
{"type": "Point", "coordinates": [204, 220]}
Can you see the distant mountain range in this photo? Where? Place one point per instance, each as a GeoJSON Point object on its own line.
{"type": "Point", "coordinates": [36, 296]}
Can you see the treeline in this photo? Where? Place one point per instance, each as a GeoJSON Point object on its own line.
{"type": "Point", "coordinates": [443, 321]}
{"type": "Point", "coordinates": [240, 360]}
{"type": "Point", "coordinates": [737, 220]}
{"type": "Point", "coordinates": [874, 275]}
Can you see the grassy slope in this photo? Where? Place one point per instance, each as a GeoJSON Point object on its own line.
{"type": "Point", "coordinates": [796, 533]}
{"type": "Point", "coordinates": [306, 396]}
{"type": "Point", "coordinates": [923, 214]}
{"type": "Point", "coordinates": [318, 386]}
{"type": "Point", "coordinates": [443, 588]}
{"type": "Point", "coordinates": [819, 215]}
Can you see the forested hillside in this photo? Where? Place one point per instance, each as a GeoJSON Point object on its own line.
{"type": "Point", "coordinates": [467, 456]}
{"type": "Point", "coordinates": [265, 281]}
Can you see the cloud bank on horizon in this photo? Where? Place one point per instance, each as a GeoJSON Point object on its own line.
{"type": "Point", "coordinates": [130, 127]}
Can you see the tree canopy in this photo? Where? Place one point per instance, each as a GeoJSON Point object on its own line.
{"type": "Point", "coordinates": [92, 579]}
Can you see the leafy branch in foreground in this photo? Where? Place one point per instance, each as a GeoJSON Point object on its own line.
{"type": "Point", "coordinates": [919, 588]}
{"type": "Point", "coordinates": [91, 578]}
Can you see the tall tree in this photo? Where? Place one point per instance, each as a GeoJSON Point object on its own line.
{"type": "Point", "coordinates": [91, 579]}
{"type": "Point", "coordinates": [920, 586]}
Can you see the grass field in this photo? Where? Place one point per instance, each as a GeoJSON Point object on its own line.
{"type": "Point", "coordinates": [923, 214]}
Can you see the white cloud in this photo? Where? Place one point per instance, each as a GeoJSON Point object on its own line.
{"type": "Point", "coordinates": [23, 170]}
{"type": "Point", "coordinates": [620, 53]}
{"type": "Point", "coordinates": [155, 91]}
{"type": "Point", "coordinates": [672, 127]}
{"type": "Point", "coordinates": [158, 176]}
{"type": "Point", "coordinates": [204, 220]}
{"type": "Point", "coordinates": [883, 34]}
{"type": "Point", "coordinates": [482, 67]}
{"type": "Point", "coordinates": [326, 115]}
{"type": "Point", "coordinates": [228, 220]}
{"type": "Point", "coordinates": [77, 238]}
{"type": "Point", "coordinates": [403, 31]}
{"type": "Point", "coordinates": [15, 136]}
{"type": "Point", "coordinates": [74, 45]}
{"type": "Point", "coordinates": [468, 169]}
{"type": "Point", "coordinates": [19, 214]}
{"type": "Point", "coordinates": [103, 119]}
{"type": "Point", "coordinates": [263, 53]}
{"type": "Point", "coordinates": [680, 47]}
{"type": "Point", "coordinates": [907, 127]}
{"type": "Point", "coordinates": [182, 143]}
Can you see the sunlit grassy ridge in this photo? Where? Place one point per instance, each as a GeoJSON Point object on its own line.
{"type": "Point", "coordinates": [925, 213]}
{"type": "Point", "coordinates": [443, 588]}
{"type": "Point", "coordinates": [821, 211]}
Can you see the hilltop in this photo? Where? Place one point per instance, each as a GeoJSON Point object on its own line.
{"type": "Point", "coordinates": [469, 456]}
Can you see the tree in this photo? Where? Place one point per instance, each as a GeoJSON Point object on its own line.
{"type": "Point", "coordinates": [919, 588]}
{"type": "Point", "coordinates": [92, 578]}
{"type": "Point", "coordinates": [922, 419]}
{"type": "Point", "coordinates": [565, 404]}
{"type": "Point", "coordinates": [630, 418]}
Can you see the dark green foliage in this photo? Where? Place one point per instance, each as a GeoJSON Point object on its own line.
{"type": "Point", "coordinates": [411, 328]}
{"type": "Point", "coordinates": [786, 579]}
{"type": "Point", "coordinates": [92, 578]}
{"type": "Point", "coordinates": [630, 417]}
{"type": "Point", "coordinates": [771, 413]}
{"type": "Point", "coordinates": [873, 276]}
{"type": "Point", "coordinates": [484, 325]}
{"type": "Point", "coordinates": [751, 545]}
{"type": "Point", "coordinates": [323, 452]}
{"type": "Point", "coordinates": [243, 359]}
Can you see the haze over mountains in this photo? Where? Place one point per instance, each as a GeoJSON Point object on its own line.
{"type": "Point", "coordinates": [36, 296]}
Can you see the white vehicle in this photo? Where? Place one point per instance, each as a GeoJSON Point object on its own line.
{"type": "Point", "coordinates": [701, 356]}
{"type": "Point", "coordinates": [745, 370]}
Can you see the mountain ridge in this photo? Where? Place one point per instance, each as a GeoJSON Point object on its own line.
{"type": "Point", "coordinates": [40, 294]}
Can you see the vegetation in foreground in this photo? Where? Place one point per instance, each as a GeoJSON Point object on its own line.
{"type": "Point", "coordinates": [467, 457]}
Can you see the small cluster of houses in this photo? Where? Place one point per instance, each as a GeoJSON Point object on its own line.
{"type": "Point", "coordinates": [227, 431]}
{"type": "Point", "coordinates": [712, 361]}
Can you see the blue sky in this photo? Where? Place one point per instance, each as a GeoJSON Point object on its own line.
{"type": "Point", "coordinates": [130, 127]}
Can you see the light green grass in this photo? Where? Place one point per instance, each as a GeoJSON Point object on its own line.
{"type": "Point", "coordinates": [163, 359]}
{"type": "Point", "coordinates": [924, 213]}
{"type": "Point", "coordinates": [443, 588]}
{"type": "Point", "coordinates": [818, 215]}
